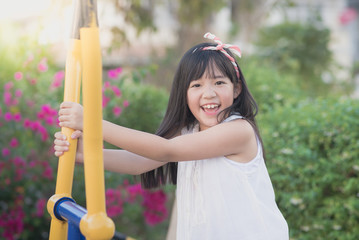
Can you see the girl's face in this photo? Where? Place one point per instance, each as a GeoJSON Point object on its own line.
{"type": "Point", "coordinates": [208, 96]}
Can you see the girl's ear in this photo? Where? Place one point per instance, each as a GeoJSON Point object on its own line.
{"type": "Point", "coordinates": [237, 90]}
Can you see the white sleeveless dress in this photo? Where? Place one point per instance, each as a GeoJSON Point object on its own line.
{"type": "Point", "coordinates": [219, 198]}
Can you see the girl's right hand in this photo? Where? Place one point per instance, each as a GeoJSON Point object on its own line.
{"type": "Point", "coordinates": [62, 145]}
{"type": "Point", "coordinates": [71, 115]}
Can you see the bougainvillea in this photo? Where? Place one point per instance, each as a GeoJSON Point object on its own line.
{"type": "Point", "coordinates": [28, 120]}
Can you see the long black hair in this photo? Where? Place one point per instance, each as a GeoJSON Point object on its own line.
{"type": "Point", "coordinates": [194, 64]}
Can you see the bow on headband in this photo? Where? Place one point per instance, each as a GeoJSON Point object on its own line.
{"type": "Point", "coordinates": [220, 47]}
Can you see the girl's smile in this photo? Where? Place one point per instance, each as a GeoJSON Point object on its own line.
{"type": "Point", "coordinates": [211, 109]}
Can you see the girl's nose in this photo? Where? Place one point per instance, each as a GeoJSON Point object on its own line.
{"type": "Point", "coordinates": [209, 92]}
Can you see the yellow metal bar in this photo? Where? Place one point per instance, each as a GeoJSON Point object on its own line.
{"type": "Point", "coordinates": [95, 224]}
{"type": "Point", "coordinates": [66, 164]}
{"type": "Point", "coordinates": [92, 101]}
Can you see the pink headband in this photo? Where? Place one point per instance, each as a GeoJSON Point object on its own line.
{"type": "Point", "coordinates": [234, 49]}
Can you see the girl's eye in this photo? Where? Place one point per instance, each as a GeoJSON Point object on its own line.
{"type": "Point", "coordinates": [220, 82]}
{"type": "Point", "coordinates": [195, 85]}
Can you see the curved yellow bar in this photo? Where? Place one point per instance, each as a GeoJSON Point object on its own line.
{"type": "Point", "coordinates": [66, 164]}
{"type": "Point", "coordinates": [96, 224]}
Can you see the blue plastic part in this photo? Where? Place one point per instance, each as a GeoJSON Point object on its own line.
{"type": "Point", "coordinates": [71, 211]}
{"type": "Point", "coordinates": [74, 232]}
{"type": "Point", "coordinates": [56, 207]}
{"type": "Point", "coordinates": [66, 209]}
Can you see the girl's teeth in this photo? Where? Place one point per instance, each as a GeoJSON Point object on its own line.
{"type": "Point", "coordinates": [210, 106]}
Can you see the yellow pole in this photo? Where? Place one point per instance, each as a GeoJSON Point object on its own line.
{"type": "Point", "coordinates": [95, 224]}
{"type": "Point", "coordinates": [66, 164]}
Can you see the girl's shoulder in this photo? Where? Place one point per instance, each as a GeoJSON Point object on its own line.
{"type": "Point", "coordinates": [233, 117]}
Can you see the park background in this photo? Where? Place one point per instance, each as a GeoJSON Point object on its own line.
{"type": "Point", "coordinates": [300, 60]}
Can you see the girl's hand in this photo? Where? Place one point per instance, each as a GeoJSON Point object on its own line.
{"type": "Point", "coordinates": [62, 145]}
{"type": "Point", "coordinates": [71, 115]}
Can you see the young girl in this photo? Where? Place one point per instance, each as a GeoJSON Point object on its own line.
{"type": "Point", "coordinates": [208, 144]}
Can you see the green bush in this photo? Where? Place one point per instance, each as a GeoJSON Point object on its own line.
{"type": "Point", "coordinates": [299, 48]}
{"type": "Point", "coordinates": [312, 154]}
{"type": "Point", "coordinates": [148, 105]}
{"type": "Point", "coordinates": [270, 87]}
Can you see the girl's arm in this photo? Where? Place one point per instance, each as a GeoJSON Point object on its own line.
{"type": "Point", "coordinates": [224, 139]}
{"type": "Point", "coordinates": [231, 138]}
{"type": "Point", "coordinates": [115, 160]}
{"type": "Point", "coordinates": [122, 161]}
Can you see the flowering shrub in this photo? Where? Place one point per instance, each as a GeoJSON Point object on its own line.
{"type": "Point", "coordinates": [153, 203]}
{"type": "Point", "coordinates": [28, 120]}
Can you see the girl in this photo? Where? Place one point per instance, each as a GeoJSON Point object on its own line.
{"type": "Point", "coordinates": [208, 144]}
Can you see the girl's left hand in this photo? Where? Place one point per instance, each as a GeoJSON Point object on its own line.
{"type": "Point", "coordinates": [71, 115]}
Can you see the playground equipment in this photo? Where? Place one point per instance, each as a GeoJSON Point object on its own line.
{"type": "Point", "coordinates": [68, 219]}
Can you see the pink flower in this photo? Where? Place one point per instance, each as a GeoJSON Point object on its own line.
{"type": "Point", "coordinates": [347, 16]}
{"type": "Point", "coordinates": [155, 204]}
{"type": "Point", "coordinates": [40, 207]}
{"type": "Point", "coordinates": [112, 195]}
{"type": "Point", "coordinates": [19, 162]}
{"type": "Point", "coordinates": [114, 210]}
{"type": "Point", "coordinates": [46, 108]}
{"type": "Point", "coordinates": [105, 100]}
{"type": "Point", "coordinates": [49, 120]}
{"type": "Point", "coordinates": [126, 103]}
{"type": "Point", "coordinates": [40, 115]}
{"type": "Point", "coordinates": [116, 91]}
{"type": "Point", "coordinates": [18, 93]}
{"type": "Point", "coordinates": [5, 152]}
{"type": "Point", "coordinates": [17, 117]}
{"type": "Point", "coordinates": [118, 70]}
{"type": "Point", "coordinates": [107, 84]}
{"type": "Point", "coordinates": [42, 66]}
{"type": "Point", "coordinates": [8, 99]}
{"type": "Point", "coordinates": [14, 225]}
{"type": "Point", "coordinates": [18, 76]}
{"type": "Point", "coordinates": [33, 81]}
{"type": "Point", "coordinates": [113, 202]}
{"type": "Point", "coordinates": [44, 136]}
{"type": "Point", "coordinates": [58, 78]}
{"type": "Point", "coordinates": [27, 123]}
{"type": "Point", "coordinates": [48, 173]}
{"type": "Point", "coordinates": [14, 142]}
{"type": "Point", "coordinates": [35, 125]}
{"type": "Point", "coordinates": [8, 86]}
{"type": "Point", "coordinates": [113, 73]}
{"type": "Point", "coordinates": [19, 173]}
{"type": "Point", "coordinates": [116, 111]}
{"type": "Point", "coordinates": [32, 163]}
{"type": "Point", "coordinates": [134, 191]}
{"type": "Point", "coordinates": [8, 116]}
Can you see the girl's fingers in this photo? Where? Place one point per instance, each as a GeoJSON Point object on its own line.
{"type": "Point", "coordinates": [60, 136]}
{"type": "Point", "coordinates": [59, 142]}
{"type": "Point", "coordinates": [64, 111]}
{"type": "Point", "coordinates": [59, 148]}
{"type": "Point", "coordinates": [66, 104]}
{"type": "Point", "coordinates": [58, 154]}
{"type": "Point", "coordinates": [76, 134]}
{"type": "Point", "coordinates": [64, 118]}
